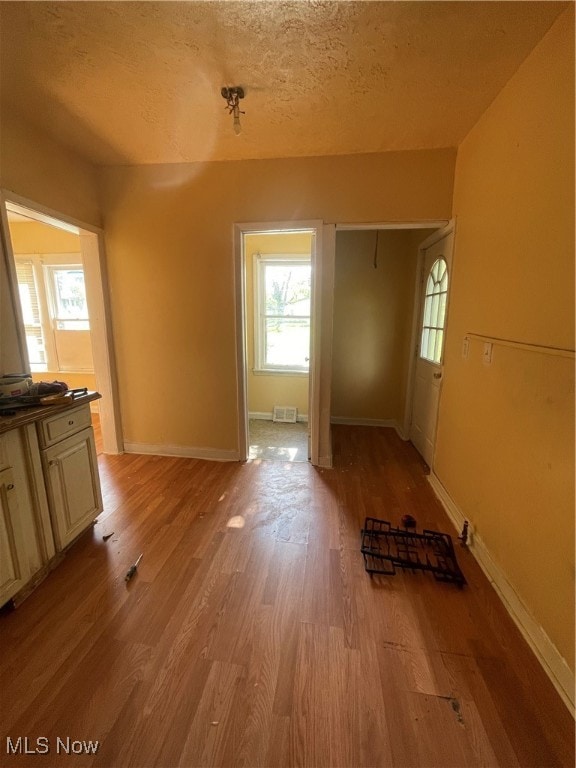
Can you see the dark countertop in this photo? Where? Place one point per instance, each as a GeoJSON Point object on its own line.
{"type": "Point", "coordinates": [36, 412]}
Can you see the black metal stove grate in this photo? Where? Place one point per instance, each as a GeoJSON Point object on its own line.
{"type": "Point", "coordinates": [386, 548]}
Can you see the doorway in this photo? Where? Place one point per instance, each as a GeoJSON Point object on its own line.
{"type": "Point", "coordinates": [52, 292]}
{"type": "Point", "coordinates": [277, 297]}
{"type": "Point", "coordinates": [54, 266]}
{"type": "Point", "coordinates": [376, 321]}
{"type": "Point", "coordinates": [277, 276]}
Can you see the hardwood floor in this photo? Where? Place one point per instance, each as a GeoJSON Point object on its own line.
{"type": "Point", "coordinates": [252, 636]}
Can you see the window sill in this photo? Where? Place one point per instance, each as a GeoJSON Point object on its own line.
{"type": "Point", "coordinates": [279, 372]}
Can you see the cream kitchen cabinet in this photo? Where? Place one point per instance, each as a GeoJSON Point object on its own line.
{"type": "Point", "coordinates": [71, 473]}
{"type": "Point", "coordinates": [13, 574]}
{"type": "Point", "coordinates": [49, 491]}
{"type": "Point", "coordinates": [26, 541]}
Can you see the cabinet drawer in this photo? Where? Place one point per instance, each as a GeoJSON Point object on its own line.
{"type": "Point", "coordinates": [62, 425]}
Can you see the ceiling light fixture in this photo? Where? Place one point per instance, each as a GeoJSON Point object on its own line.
{"type": "Point", "coordinates": [233, 96]}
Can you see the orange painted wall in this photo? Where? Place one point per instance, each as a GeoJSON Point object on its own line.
{"type": "Point", "coordinates": [505, 448]}
{"type": "Point", "coordinates": [373, 322]}
{"type": "Point", "coordinates": [169, 240]}
{"type": "Point", "coordinates": [41, 170]}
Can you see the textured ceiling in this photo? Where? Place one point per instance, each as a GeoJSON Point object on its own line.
{"type": "Point", "coordinates": [139, 82]}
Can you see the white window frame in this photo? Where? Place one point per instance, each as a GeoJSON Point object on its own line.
{"type": "Point", "coordinates": [41, 264]}
{"type": "Point", "coordinates": [436, 320]}
{"type": "Point", "coordinates": [260, 316]}
{"type": "Point", "coordinates": [50, 267]}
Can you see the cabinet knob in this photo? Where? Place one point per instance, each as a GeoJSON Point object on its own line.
{"type": "Point", "coordinates": [71, 422]}
{"type": "Point", "coordinates": [10, 487]}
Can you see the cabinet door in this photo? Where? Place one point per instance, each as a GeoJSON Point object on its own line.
{"type": "Point", "coordinates": [73, 485]}
{"type": "Point", "coordinates": [13, 568]}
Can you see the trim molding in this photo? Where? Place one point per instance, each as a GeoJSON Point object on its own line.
{"type": "Point", "coordinates": [403, 434]}
{"type": "Point", "coordinates": [186, 451]}
{"type": "Point", "coordinates": [546, 652]}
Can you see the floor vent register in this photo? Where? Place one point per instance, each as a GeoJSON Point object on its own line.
{"type": "Point", "coordinates": [285, 413]}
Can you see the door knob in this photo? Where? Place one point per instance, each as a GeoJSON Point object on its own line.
{"type": "Point", "coordinates": [437, 375]}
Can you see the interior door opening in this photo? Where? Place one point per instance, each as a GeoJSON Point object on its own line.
{"type": "Point", "coordinates": [376, 320]}
{"type": "Point", "coordinates": [55, 270]}
{"type": "Point", "coordinates": [277, 275]}
{"type": "Point", "coordinates": [317, 419]}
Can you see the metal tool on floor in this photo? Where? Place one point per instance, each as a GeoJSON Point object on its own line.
{"type": "Point", "coordinates": [133, 568]}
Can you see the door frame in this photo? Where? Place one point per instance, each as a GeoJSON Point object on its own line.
{"type": "Point", "coordinates": [239, 230]}
{"type": "Point", "coordinates": [449, 228]}
{"type": "Point", "coordinates": [94, 260]}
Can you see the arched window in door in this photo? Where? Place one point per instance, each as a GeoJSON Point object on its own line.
{"type": "Point", "coordinates": [434, 316]}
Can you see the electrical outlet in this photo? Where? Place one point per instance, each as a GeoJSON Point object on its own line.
{"type": "Point", "coordinates": [487, 354]}
{"type": "Point", "coordinates": [465, 348]}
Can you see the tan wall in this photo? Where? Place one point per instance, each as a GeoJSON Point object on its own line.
{"type": "Point", "coordinates": [266, 391]}
{"type": "Point", "coordinates": [372, 323]}
{"type": "Point", "coordinates": [36, 237]}
{"type": "Point", "coordinates": [170, 255]}
{"type": "Point", "coordinates": [505, 449]}
{"type": "Point", "coordinates": [39, 169]}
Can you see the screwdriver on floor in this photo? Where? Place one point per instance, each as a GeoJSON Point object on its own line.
{"type": "Point", "coordinates": [133, 568]}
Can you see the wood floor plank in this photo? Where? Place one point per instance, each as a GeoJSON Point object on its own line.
{"type": "Point", "coordinates": [252, 635]}
{"type": "Point", "coordinates": [359, 728]}
{"type": "Point", "coordinates": [310, 721]}
{"type": "Point", "coordinates": [207, 733]}
{"type": "Point", "coordinates": [479, 713]}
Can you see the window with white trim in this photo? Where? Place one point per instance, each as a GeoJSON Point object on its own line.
{"type": "Point", "coordinates": [55, 312]}
{"type": "Point", "coordinates": [282, 314]}
{"type": "Point", "coordinates": [431, 344]}
{"type": "Point", "coordinates": [67, 291]}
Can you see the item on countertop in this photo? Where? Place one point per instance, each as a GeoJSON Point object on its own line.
{"type": "Point", "coordinates": [48, 387]}
{"type": "Point", "coordinates": [14, 385]}
{"type": "Point", "coordinates": [63, 398]}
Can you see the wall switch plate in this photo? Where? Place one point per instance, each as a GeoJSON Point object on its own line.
{"type": "Point", "coordinates": [465, 348]}
{"type": "Point", "coordinates": [487, 353]}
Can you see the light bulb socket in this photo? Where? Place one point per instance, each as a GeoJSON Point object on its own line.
{"type": "Point", "coordinates": [233, 96]}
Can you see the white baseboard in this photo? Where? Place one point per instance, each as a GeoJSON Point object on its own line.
{"type": "Point", "coordinates": [265, 416]}
{"type": "Point", "coordinates": [546, 652]}
{"type": "Point", "coordinates": [211, 454]}
{"type": "Point", "coordinates": [402, 433]}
